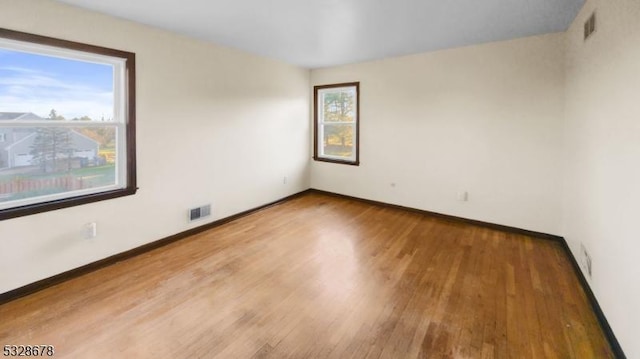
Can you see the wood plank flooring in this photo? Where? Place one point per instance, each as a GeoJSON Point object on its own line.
{"type": "Point", "coordinates": [322, 277]}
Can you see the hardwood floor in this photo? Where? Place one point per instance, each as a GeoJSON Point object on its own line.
{"type": "Point", "coordinates": [322, 277]}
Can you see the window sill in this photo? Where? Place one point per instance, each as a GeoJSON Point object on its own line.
{"type": "Point", "coordinates": [342, 162]}
{"type": "Point", "coordinates": [64, 203]}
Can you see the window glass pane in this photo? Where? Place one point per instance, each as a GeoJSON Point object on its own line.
{"type": "Point", "coordinates": [336, 122]}
{"type": "Point", "coordinates": [38, 86]}
{"type": "Point", "coordinates": [339, 105]}
{"type": "Point", "coordinates": [338, 140]}
{"type": "Point", "coordinates": [67, 124]}
{"type": "Point", "coordinates": [40, 161]}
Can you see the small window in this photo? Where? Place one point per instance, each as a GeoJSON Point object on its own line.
{"type": "Point", "coordinates": [67, 119]}
{"type": "Point", "coordinates": [336, 123]}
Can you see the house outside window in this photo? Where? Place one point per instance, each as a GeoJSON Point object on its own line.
{"type": "Point", "coordinates": [336, 123]}
{"type": "Point", "coordinates": [68, 130]}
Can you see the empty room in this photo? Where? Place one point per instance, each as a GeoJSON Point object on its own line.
{"type": "Point", "coordinates": [338, 179]}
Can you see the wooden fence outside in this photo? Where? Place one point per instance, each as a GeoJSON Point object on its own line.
{"type": "Point", "coordinates": [18, 185]}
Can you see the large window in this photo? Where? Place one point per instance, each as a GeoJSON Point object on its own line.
{"type": "Point", "coordinates": [67, 124]}
{"type": "Point", "coordinates": [336, 122]}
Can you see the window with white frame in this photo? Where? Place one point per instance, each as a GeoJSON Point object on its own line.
{"type": "Point", "coordinates": [336, 123]}
{"type": "Point", "coordinates": [67, 118]}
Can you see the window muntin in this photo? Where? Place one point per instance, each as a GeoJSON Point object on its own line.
{"type": "Point", "coordinates": [336, 119]}
{"type": "Point", "coordinates": [67, 114]}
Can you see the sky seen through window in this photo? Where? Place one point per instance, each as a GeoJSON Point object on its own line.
{"type": "Point", "coordinates": [39, 83]}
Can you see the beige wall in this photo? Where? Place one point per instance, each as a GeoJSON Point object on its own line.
{"type": "Point", "coordinates": [214, 126]}
{"type": "Point", "coordinates": [602, 159]}
{"type": "Point", "coordinates": [485, 119]}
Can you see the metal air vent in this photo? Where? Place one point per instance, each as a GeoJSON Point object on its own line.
{"type": "Point", "coordinates": [199, 212]}
{"type": "Point", "coordinates": [590, 26]}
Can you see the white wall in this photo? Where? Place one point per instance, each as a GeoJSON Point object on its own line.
{"type": "Point", "coordinates": [602, 159]}
{"type": "Point", "coordinates": [214, 125]}
{"type": "Point", "coordinates": [486, 119]}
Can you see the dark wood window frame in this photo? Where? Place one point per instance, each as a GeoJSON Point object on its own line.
{"type": "Point", "coordinates": [316, 155]}
{"type": "Point", "coordinates": [129, 120]}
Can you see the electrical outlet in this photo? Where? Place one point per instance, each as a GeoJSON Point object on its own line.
{"type": "Point", "coordinates": [585, 260]}
{"type": "Point", "coordinates": [284, 180]}
{"type": "Point", "coordinates": [90, 230]}
{"type": "Point", "coordinates": [463, 196]}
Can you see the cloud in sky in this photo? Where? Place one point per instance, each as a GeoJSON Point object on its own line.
{"type": "Point", "coordinates": [38, 84]}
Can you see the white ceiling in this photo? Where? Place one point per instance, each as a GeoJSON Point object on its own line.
{"type": "Point", "coordinates": [313, 33]}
